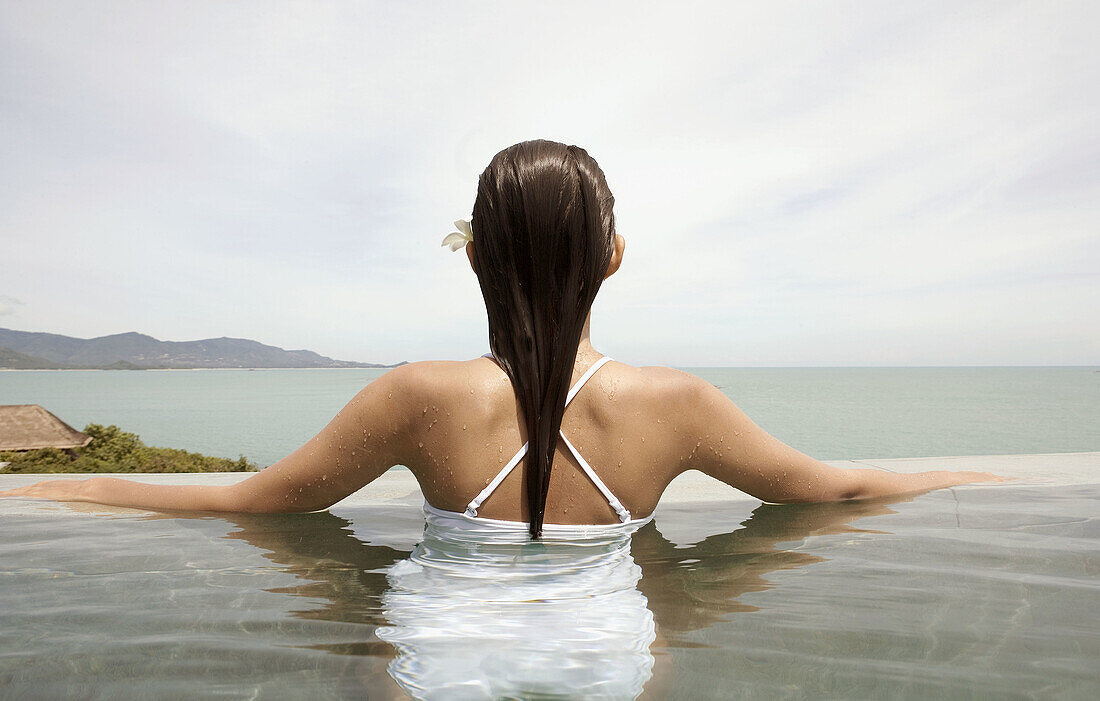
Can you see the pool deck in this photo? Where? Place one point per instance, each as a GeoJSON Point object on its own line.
{"type": "Point", "coordinates": [399, 485]}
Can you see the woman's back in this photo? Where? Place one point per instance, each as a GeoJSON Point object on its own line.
{"type": "Point", "coordinates": [623, 421]}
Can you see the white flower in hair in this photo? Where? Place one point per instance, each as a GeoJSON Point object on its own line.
{"type": "Point", "coordinates": [458, 239]}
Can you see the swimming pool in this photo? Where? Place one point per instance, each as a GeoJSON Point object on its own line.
{"type": "Point", "coordinates": [972, 592]}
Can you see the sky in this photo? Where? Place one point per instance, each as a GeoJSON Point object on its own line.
{"type": "Point", "coordinates": [868, 183]}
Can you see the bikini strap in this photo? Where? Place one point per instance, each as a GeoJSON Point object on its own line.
{"type": "Point", "coordinates": [584, 378]}
{"type": "Point", "coordinates": [620, 510]}
{"type": "Point", "coordinates": [476, 502]}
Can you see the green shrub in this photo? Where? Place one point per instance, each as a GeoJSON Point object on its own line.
{"type": "Point", "coordinates": [114, 450]}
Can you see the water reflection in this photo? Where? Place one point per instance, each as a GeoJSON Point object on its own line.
{"type": "Point", "coordinates": [493, 615]}
{"type": "Point", "coordinates": [690, 588]}
{"type": "Point", "coordinates": [454, 616]}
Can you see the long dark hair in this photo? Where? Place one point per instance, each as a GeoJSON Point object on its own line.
{"type": "Point", "coordinates": [543, 236]}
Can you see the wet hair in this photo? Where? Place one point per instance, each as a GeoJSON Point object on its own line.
{"type": "Point", "coordinates": [543, 236]}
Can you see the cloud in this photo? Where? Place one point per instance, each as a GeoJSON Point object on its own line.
{"type": "Point", "coordinates": [777, 171]}
{"type": "Point", "coordinates": [8, 305]}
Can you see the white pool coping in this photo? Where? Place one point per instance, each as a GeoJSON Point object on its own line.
{"type": "Point", "coordinates": [399, 485]}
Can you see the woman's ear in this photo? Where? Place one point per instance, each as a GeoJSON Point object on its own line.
{"type": "Point", "coordinates": [616, 256]}
{"type": "Point", "coordinates": [470, 255]}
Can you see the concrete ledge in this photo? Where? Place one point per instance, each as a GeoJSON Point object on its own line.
{"type": "Point", "coordinates": [398, 486]}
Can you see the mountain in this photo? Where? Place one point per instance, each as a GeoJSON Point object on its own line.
{"type": "Point", "coordinates": [20, 361]}
{"type": "Point", "coordinates": [26, 349]}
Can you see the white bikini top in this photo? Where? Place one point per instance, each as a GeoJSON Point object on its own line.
{"type": "Point", "coordinates": [449, 517]}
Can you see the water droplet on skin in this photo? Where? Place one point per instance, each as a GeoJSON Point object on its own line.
{"type": "Point", "coordinates": [643, 439]}
{"type": "Point", "coordinates": [463, 427]}
{"type": "Point", "coordinates": [391, 395]}
{"type": "Point", "coordinates": [420, 445]}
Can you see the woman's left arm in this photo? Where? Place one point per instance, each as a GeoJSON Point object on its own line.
{"type": "Point", "coordinates": [367, 437]}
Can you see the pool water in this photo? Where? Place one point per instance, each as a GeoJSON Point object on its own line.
{"type": "Point", "coordinates": [973, 592]}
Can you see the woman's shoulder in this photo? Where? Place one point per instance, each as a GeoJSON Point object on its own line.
{"type": "Point", "coordinates": [666, 378]}
{"type": "Point", "coordinates": [443, 375]}
{"type": "Point", "coordinates": [431, 380]}
{"type": "Point", "coordinates": [660, 382]}
{"type": "Point", "coordinates": [438, 379]}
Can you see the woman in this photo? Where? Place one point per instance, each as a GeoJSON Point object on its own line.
{"type": "Point", "coordinates": [545, 432]}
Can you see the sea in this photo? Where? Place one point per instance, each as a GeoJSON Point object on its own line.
{"type": "Point", "coordinates": [828, 413]}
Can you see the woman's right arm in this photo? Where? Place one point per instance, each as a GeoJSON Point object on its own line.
{"type": "Point", "coordinates": [733, 449]}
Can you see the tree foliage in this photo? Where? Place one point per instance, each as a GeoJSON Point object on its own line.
{"type": "Point", "coordinates": [115, 450]}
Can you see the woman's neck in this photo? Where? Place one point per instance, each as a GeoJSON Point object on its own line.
{"type": "Point", "coordinates": [584, 349]}
{"type": "Point", "coordinates": [586, 354]}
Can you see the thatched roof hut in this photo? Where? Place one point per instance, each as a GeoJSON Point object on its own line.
{"type": "Point", "coordinates": [29, 426]}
